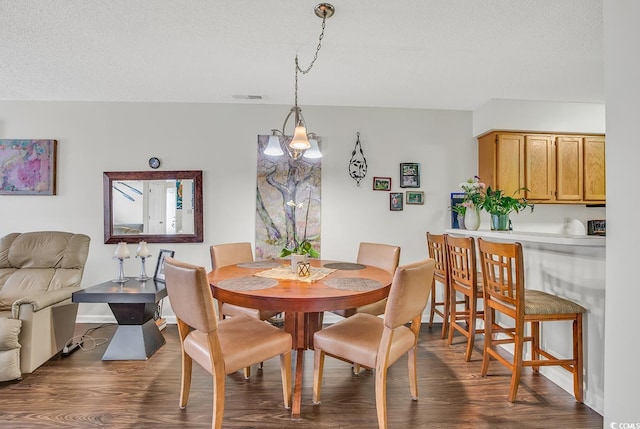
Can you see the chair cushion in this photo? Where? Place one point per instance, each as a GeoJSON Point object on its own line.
{"type": "Point", "coordinates": [244, 341]}
{"type": "Point", "coordinates": [357, 339]}
{"type": "Point", "coordinates": [538, 302]}
{"type": "Point", "coordinates": [375, 309]}
{"type": "Point", "coordinates": [235, 310]}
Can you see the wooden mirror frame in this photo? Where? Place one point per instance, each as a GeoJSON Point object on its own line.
{"type": "Point", "coordinates": [107, 181]}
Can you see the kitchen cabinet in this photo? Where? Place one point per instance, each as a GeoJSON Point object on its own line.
{"type": "Point", "coordinates": [554, 168]}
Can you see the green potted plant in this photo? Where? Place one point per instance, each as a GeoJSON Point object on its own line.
{"type": "Point", "coordinates": [499, 206]}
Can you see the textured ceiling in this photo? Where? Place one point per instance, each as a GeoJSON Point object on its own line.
{"type": "Point", "coordinates": [444, 54]}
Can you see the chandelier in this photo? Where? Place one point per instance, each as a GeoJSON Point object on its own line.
{"type": "Point", "coordinates": [302, 142]}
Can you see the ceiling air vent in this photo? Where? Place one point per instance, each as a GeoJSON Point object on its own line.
{"type": "Point", "coordinates": [247, 97]}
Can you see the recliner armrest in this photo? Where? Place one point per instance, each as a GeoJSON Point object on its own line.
{"type": "Point", "coordinates": [43, 299]}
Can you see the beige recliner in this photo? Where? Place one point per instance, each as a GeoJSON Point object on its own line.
{"type": "Point", "coordinates": [38, 273]}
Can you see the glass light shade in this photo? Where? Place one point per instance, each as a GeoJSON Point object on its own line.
{"type": "Point", "coordinates": [273, 147]}
{"type": "Point", "coordinates": [300, 140]}
{"type": "Point", "coordinates": [143, 250]}
{"type": "Point", "coordinates": [313, 151]}
{"type": "Point", "coordinates": [122, 250]}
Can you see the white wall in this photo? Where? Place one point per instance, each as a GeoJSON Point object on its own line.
{"type": "Point", "coordinates": [543, 116]}
{"type": "Point", "coordinates": [221, 140]}
{"type": "Point", "coordinates": [622, 341]}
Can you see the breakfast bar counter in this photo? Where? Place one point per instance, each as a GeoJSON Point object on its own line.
{"type": "Point", "coordinates": [573, 267]}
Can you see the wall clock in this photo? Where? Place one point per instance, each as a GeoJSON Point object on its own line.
{"type": "Point", "coordinates": [154, 162]}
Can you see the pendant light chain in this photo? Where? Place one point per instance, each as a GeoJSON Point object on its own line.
{"type": "Point", "coordinates": [315, 57]}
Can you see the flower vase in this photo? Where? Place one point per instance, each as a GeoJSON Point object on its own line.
{"type": "Point", "coordinates": [500, 222]}
{"type": "Point", "coordinates": [472, 219]}
{"type": "Point", "coordinates": [460, 218]}
{"type": "Point", "coordinates": [295, 259]}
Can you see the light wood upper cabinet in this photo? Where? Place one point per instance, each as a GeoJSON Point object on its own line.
{"type": "Point", "coordinates": [539, 172]}
{"type": "Point", "coordinates": [559, 169]}
{"type": "Point", "coordinates": [569, 168]}
{"type": "Point", "coordinates": [594, 169]}
{"type": "Point", "coordinates": [501, 161]}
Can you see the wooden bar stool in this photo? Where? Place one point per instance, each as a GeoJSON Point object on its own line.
{"type": "Point", "coordinates": [463, 279]}
{"type": "Point", "coordinates": [505, 294]}
{"type": "Point", "coordinates": [437, 252]}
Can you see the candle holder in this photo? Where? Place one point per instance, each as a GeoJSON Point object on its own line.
{"type": "Point", "coordinates": [122, 253]}
{"type": "Point", "coordinates": [143, 253]}
{"type": "Point", "coordinates": [143, 273]}
{"type": "Point", "coordinates": [120, 278]}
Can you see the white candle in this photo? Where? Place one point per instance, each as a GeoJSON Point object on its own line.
{"type": "Point", "coordinates": [122, 251]}
{"type": "Point", "coordinates": [143, 250]}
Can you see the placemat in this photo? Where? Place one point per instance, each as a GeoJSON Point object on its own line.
{"type": "Point", "coordinates": [284, 273]}
{"type": "Point", "coordinates": [355, 284]}
{"type": "Point", "coordinates": [246, 283]}
{"type": "Point", "coordinates": [260, 264]}
{"type": "Point", "coordinates": [345, 266]}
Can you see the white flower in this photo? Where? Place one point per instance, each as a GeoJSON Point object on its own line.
{"type": "Point", "coordinates": [290, 203]}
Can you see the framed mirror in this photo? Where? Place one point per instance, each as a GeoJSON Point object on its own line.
{"type": "Point", "coordinates": [153, 206]}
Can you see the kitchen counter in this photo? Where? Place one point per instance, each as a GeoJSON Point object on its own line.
{"type": "Point", "coordinates": [533, 237]}
{"type": "Point", "coordinates": [573, 267]}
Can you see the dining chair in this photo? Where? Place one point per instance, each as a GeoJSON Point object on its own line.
{"type": "Point", "coordinates": [505, 294]}
{"type": "Point", "coordinates": [220, 347]}
{"type": "Point", "coordinates": [383, 256]}
{"type": "Point", "coordinates": [223, 255]}
{"type": "Point", "coordinates": [377, 342]}
{"type": "Point", "coordinates": [463, 279]}
{"type": "Point", "coordinates": [437, 252]}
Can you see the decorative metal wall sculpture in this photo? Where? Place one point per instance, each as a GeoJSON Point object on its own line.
{"type": "Point", "coordinates": [357, 163]}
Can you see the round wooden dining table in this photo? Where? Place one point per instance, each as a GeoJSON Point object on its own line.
{"type": "Point", "coordinates": [302, 301]}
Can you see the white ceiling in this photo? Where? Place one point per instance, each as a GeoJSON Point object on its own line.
{"type": "Point", "coordinates": [444, 54]}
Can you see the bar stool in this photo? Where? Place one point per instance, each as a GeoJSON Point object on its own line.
{"type": "Point", "coordinates": [505, 293]}
{"type": "Point", "coordinates": [437, 252]}
{"type": "Point", "coordinates": [463, 279]}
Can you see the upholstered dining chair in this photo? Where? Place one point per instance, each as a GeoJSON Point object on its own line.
{"type": "Point", "coordinates": [383, 256]}
{"type": "Point", "coordinates": [220, 347]}
{"type": "Point", "coordinates": [464, 280]}
{"type": "Point", "coordinates": [505, 295]}
{"type": "Point", "coordinates": [223, 255]}
{"type": "Point", "coordinates": [375, 342]}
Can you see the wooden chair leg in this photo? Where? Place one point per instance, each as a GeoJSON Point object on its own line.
{"type": "Point", "coordinates": [578, 356]}
{"type": "Point", "coordinates": [381, 396]}
{"type": "Point", "coordinates": [285, 371]}
{"type": "Point", "coordinates": [471, 328]}
{"type": "Point", "coordinates": [247, 373]}
{"type": "Point", "coordinates": [453, 314]}
{"type": "Point", "coordinates": [535, 344]}
{"type": "Point", "coordinates": [187, 365]}
{"type": "Point", "coordinates": [413, 374]}
{"type": "Point", "coordinates": [516, 371]}
{"type": "Point", "coordinates": [218, 398]}
{"type": "Point", "coordinates": [488, 338]}
{"type": "Point", "coordinates": [446, 310]}
{"type": "Point", "coordinates": [318, 367]}
{"type": "Point", "coordinates": [432, 312]}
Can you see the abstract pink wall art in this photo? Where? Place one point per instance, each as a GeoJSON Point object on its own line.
{"type": "Point", "coordinates": [28, 167]}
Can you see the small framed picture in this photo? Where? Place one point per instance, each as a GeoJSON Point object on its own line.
{"type": "Point", "coordinates": [395, 201]}
{"type": "Point", "coordinates": [382, 183]}
{"type": "Point", "coordinates": [159, 274]}
{"type": "Point", "coordinates": [415, 197]}
{"type": "Point", "coordinates": [409, 175]}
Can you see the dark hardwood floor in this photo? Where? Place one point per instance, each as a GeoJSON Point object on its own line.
{"type": "Point", "coordinates": [82, 391]}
